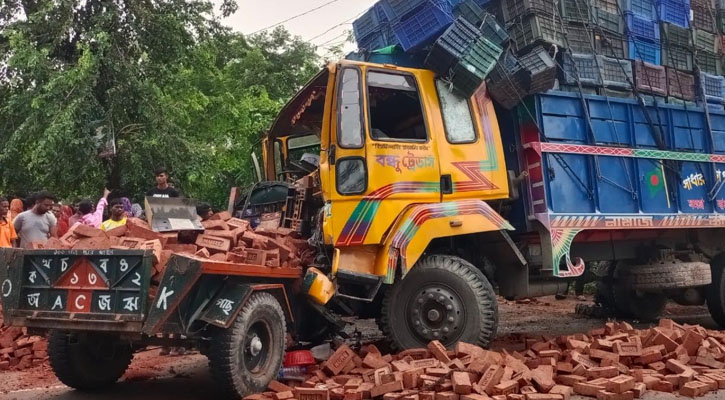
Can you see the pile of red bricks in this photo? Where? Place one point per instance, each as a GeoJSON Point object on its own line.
{"type": "Point", "coordinates": [18, 350]}
{"type": "Point", "coordinates": [225, 239]}
{"type": "Point", "coordinates": [616, 362]}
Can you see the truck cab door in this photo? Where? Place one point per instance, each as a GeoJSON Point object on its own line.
{"type": "Point", "coordinates": [470, 150]}
{"type": "Point", "coordinates": [382, 157]}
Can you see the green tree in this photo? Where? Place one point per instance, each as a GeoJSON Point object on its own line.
{"type": "Point", "coordinates": [162, 81]}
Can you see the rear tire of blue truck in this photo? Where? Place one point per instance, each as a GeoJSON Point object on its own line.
{"type": "Point", "coordinates": [442, 298]}
{"type": "Point", "coordinates": [88, 361]}
{"type": "Point", "coordinates": [715, 291]}
{"type": "Point", "coordinates": [245, 357]}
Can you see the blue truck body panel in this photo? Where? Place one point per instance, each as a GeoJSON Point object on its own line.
{"type": "Point", "coordinates": [613, 176]}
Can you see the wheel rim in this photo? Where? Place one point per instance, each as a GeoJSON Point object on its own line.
{"type": "Point", "coordinates": [256, 347]}
{"type": "Point", "coordinates": [436, 312]}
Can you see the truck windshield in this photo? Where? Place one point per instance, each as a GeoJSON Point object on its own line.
{"type": "Point", "coordinates": [304, 148]}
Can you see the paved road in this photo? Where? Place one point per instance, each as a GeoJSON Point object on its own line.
{"type": "Point", "coordinates": [186, 377]}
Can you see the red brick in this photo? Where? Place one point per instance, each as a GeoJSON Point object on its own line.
{"type": "Point", "coordinates": [213, 243]}
{"type": "Point", "coordinates": [544, 396]}
{"type": "Point", "coordinates": [311, 394]}
{"type": "Point", "coordinates": [93, 243]}
{"type": "Point", "coordinates": [426, 395]}
{"type": "Point", "coordinates": [372, 360]}
{"type": "Point", "coordinates": [132, 243]}
{"type": "Point", "coordinates": [236, 223]}
{"type": "Point", "coordinates": [490, 378]}
{"type": "Point", "coordinates": [628, 349]}
{"type": "Point", "coordinates": [474, 396]}
{"type": "Point", "coordinates": [506, 387]}
{"type": "Point", "coordinates": [87, 231]}
{"type": "Point", "coordinates": [587, 389]}
{"type": "Point", "coordinates": [416, 354]}
{"type": "Point", "coordinates": [182, 248]}
{"type": "Point", "coordinates": [709, 361]}
{"type": "Point", "coordinates": [694, 389]}
{"type": "Point", "coordinates": [338, 360]}
{"type": "Point", "coordinates": [639, 389]}
{"type": "Point", "coordinates": [278, 387]}
{"type": "Point", "coordinates": [605, 395]}
{"type": "Point", "coordinates": [543, 378]}
{"type": "Point", "coordinates": [283, 395]}
{"type": "Point", "coordinates": [461, 382]}
{"type": "Point", "coordinates": [222, 216]}
{"type": "Point", "coordinates": [570, 380]}
{"type": "Point", "coordinates": [662, 386]}
{"type": "Point", "coordinates": [602, 372]}
{"type": "Point", "coordinates": [379, 390]}
{"type": "Point", "coordinates": [439, 351]}
{"type": "Point", "coordinates": [564, 391]}
{"type": "Point", "coordinates": [215, 225]}
{"type": "Point", "coordinates": [712, 384]}
{"type": "Point", "coordinates": [620, 384]}
{"type": "Point", "coordinates": [139, 229]}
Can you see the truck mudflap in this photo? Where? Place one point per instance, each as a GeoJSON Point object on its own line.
{"type": "Point", "coordinates": [75, 289]}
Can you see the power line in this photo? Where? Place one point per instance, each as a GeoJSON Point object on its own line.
{"type": "Point", "coordinates": [345, 22]}
{"type": "Point", "coordinates": [296, 16]}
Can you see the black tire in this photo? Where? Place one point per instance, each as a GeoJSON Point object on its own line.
{"type": "Point", "coordinates": [433, 284]}
{"type": "Point", "coordinates": [715, 291]}
{"type": "Point", "coordinates": [88, 361]}
{"type": "Point", "coordinates": [232, 359]}
{"type": "Point", "coordinates": [633, 303]}
{"type": "Point", "coordinates": [605, 286]}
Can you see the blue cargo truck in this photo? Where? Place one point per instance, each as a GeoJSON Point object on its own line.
{"type": "Point", "coordinates": [634, 199]}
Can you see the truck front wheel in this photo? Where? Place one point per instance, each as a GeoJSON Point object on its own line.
{"type": "Point", "coordinates": [442, 298]}
{"type": "Point", "coordinates": [245, 357]}
{"type": "Point", "coordinates": [715, 292]}
{"type": "Point", "coordinates": [88, 361]}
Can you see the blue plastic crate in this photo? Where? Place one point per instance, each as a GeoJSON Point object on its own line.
{"type": "Point", "coordinates": [650, 52]}
{"type": "Point", "coordinates": [713, 86]}
{"type": "Point", "coordinates": [397, 9]}
{"type": "Point", "coordinates": [675, 12]}
{"type": "Point", "coordinates": [369, 22]}
{"type": "Point", "coordinates": [424, 25]}
{"type": "Point", "coordinates": [642, 28]}
{"type": "Point", "coordinates": [643, 8]}
{"type": "Point", "coordinates": [383, 37]}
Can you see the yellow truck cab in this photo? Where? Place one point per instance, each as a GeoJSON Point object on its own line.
{"type": "Point", "coordinates": [407, 171]}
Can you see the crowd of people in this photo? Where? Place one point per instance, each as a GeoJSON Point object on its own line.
{"type": "Point", "coordinates": [42, 216]}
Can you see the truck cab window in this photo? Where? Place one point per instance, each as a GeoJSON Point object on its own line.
{"type": "Point", "coordinates": [395, 108]}
{"type": "Point", "coordinates": [350, 133]}
{"type": "Point", "coordinates": [457, 117]}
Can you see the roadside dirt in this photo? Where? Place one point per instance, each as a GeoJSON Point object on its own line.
{"type": "Point", "coordinates": [152, 376]}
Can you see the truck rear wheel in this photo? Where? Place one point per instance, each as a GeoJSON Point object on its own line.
{"type": "Point", "coordinates": [88, 361]}
{"type": "Point", "coordinates": [442, 298]}
{"type": "Point", "coordinates": [715, 292]}
{"type": "Point", "coordinates": [245, 357]}
{"type": "Point", "coordinates": [632, 302]}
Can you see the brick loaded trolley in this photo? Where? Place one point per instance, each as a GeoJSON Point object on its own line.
{"type": "Point", "coordinates": [98, 307]}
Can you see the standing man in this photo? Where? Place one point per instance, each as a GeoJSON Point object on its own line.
{"type": "Point", "coordinates": [38, 223]}
{"type": "Point", "coordinates": [162, 189]}
{"type": "Point", "coordinates": [8, 237]}
{"type": "Point", "coordinates": [118, 216]}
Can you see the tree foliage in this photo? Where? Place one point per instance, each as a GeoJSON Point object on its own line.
{"type": "Point", "coordinates": [162, 80]}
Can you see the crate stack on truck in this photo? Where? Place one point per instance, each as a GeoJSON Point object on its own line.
{"type": "Point", "coordinates": [671, 50]}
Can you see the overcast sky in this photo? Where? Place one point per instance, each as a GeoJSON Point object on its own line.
{"type": "Point", "coordinates": [255, 15]}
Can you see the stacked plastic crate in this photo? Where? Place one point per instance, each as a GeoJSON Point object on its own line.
{"type": "Point", "coordinates": [463, 55]}
{"type": "Point", "coordinates": [643, 31]}
{"type": "Point", "coordinates": [532, 22]}
{"type": "Point", "coordinates": [417, 23]}
{"type": "Point", "coordinates": [372, 30]}
{"type": "Point", "coordinates": [609, 34]}
{"type": "Point", "coordinates": [705, 40]}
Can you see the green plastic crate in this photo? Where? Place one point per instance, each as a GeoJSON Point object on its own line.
{"type": "Point", "coordinates": [708, 62]}
{"type": "Point", "coordinates": [536, 29]}
{"type": "Point", "coordinates": [575, 10]}
{"type": "Point", "coordinates": [675, 35]}
{"type": "Point", "coordinates": [611, 22]}
{"type": "Point", "coordinates": [676, 57]}
{"type": "Point", "coordinates": [704, 40]}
